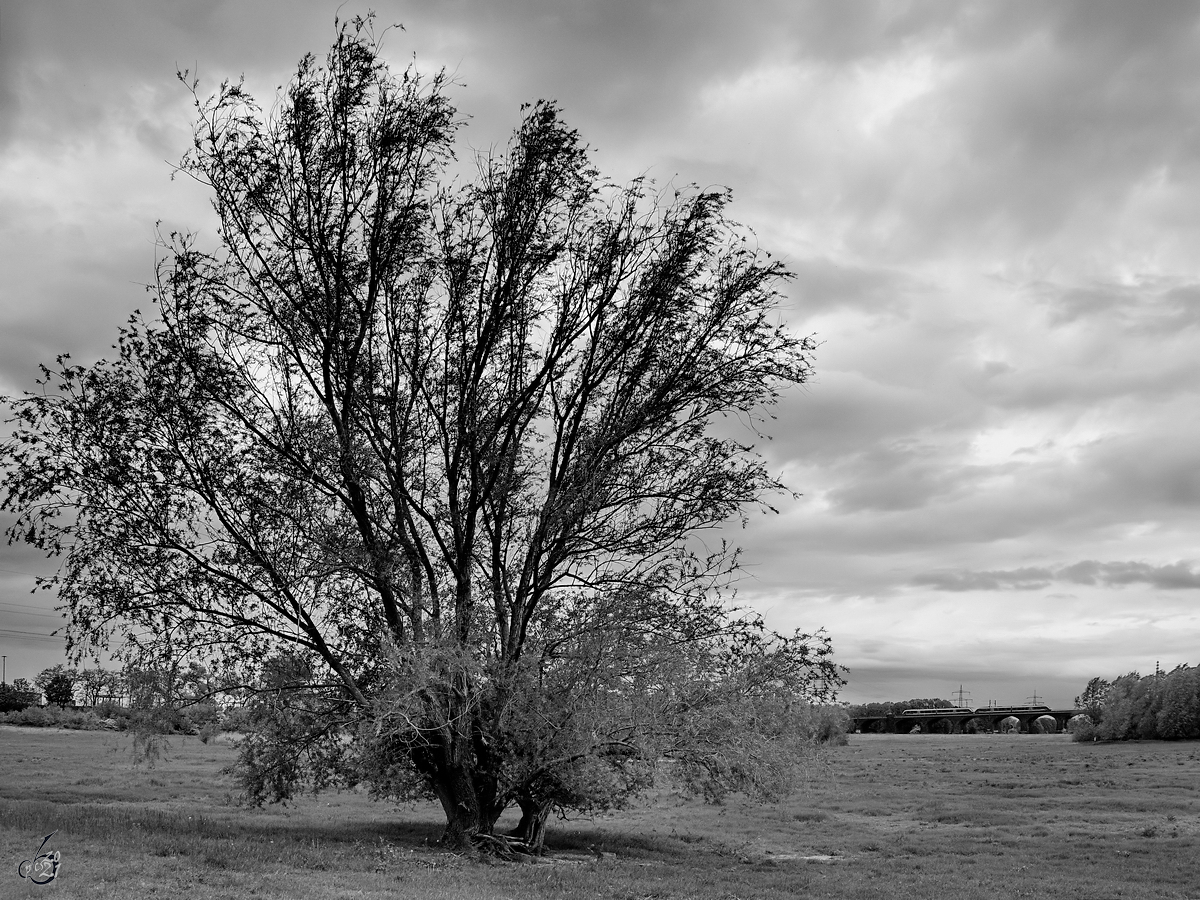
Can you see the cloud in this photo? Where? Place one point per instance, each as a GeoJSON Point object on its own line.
{"type": "Point", "coordinates": [1168, 577]}
{"type": "Point", "coordinates": [991, 211]}
{"type": "Point", "coordinates": [1027, 579]}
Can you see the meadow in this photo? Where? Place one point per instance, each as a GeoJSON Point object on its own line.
{"type": "Point", "coordinates": [971, 816]}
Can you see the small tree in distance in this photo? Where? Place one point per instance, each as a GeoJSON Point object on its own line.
{"type": "Point", "coordinates": [96, 683]}
{"type": "Point", "coordinates": [57, 684]}
{"type": "Point", "coordinates": [60, 690]}
{"type": "Point", "coordinates": [428, 466]}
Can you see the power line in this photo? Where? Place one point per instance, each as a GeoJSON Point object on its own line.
{"type": "Point", "coordinates": [23, 606]}
{"type": "Point", "coordinates": [16, 572]}
{"type": "Point", "coordinates": [22, 612]}
{"type": "Point", "coordinates": [31, 635]}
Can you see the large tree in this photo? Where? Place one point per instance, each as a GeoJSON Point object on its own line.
{"type": "Point", "coordinates": [424, 468]}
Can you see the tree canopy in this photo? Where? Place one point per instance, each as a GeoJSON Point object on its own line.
{"type": "Point", "coordinates": [424, 468]}
{"type": "Point", "coordinates": [57, 684]}
{"type": "Point", "coordinates": [17, 696]}
{"type": "Point", "coordinates": [1163, 706]}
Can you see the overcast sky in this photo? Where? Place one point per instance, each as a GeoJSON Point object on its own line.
{"type": "Point", "coordinates": [992, 211]}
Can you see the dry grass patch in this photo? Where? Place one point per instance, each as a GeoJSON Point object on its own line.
{"type": "Point", "coordinates": [976, 816]}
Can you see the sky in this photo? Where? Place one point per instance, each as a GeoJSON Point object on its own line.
{"type": "Point", "coordinates": [990, 210]}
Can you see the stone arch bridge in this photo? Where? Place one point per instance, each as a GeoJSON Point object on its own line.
{"type": "Point", "coordinates": [952, 720]}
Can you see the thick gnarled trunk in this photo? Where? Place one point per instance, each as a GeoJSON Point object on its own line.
{"type": "Point", "coordinates": [464, 818]}
{"type": "Point", "coordinates": [466, 792]}
{"type": "Point", "coordinates": [531, 830]}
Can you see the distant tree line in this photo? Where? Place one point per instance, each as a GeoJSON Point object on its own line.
{"type": "Point", "coordinates": [133, 686]}
{"type": "Point", "coordinates": [895, 708]}
{"type": "Point", "coordinates": [63, 686]}
{"type": "Point", "coordinates": [1163, 706]}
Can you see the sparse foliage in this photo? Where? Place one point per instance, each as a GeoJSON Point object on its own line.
{"type": "Point", "coordinates": [95, 683]}
{"type": "Point", "coordinates": [422, 469]}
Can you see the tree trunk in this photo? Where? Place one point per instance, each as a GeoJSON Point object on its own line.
{"type": "Point", "coordinates": [464, 818]}
{"type": "Point", "coordinates": [466, 794]}
{"type": "Point", "coordinates": [532, 827]}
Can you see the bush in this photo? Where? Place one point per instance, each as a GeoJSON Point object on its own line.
{"type": "Point", "coordinates": [196, 718]}
{"type": "Point", "coordinates": [158, 720]}
{"type": "Point", "coordinates": [52, 717]}
{"type": "Point", "coordinates": [1082, 728]}
{"type": "Point", "coordinates": [30, 717]}
{"type": "Point", "coordinates": [238, 719]}
{"type": "Point", "coordinates": [120, 716]}
{"type": "Point", "coordinates": [826, 724]}
{"type": "Point", "coordinates": [79, 721]}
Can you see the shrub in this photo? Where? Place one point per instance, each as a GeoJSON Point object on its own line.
{"type": "Point", "coordinates": [1082, 728]}
{"type": "Point", "coordinates": [79, 721]}
{"type": "Point", "coordinates": [52, 717]}
{"type": "Point", "coordinates": [238, 719]}
{"type": "Point", "coordinates": [825, 724]}
{"type": "Point", "coordinates": [195, 718]}
{"type": "Point", "coordinates": [31, 717]}
{"type": "Point", "coordinates": [120, 716]}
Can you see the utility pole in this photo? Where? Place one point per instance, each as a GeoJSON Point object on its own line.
{"type": "Point", "coordinates": [3, 670]}
{"type": "Point", "coordinates": [1035, 698]}
{"type": "Point", "coordinates": [960, 693]}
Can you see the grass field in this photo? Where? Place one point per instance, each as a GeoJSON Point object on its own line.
{"type": "Point", "coordinates": [910, 816]}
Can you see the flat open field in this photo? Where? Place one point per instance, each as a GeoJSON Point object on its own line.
{"type": "Point", "coordinates": [912, 816]}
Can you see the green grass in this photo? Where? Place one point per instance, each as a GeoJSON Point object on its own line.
{"type": "Point", "coordinates": [915, 816]}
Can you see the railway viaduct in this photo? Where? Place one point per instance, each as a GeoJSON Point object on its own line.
{"type": "Point", "coordinates": [952, 720]}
